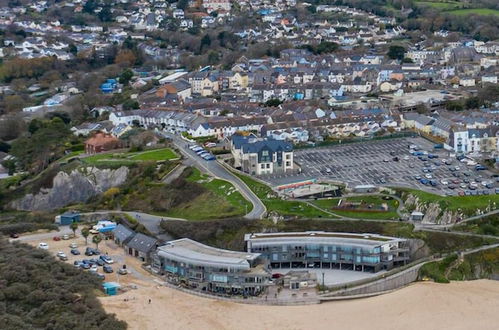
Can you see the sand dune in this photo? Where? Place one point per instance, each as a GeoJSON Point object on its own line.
{"type": "Point", "coordinates": [458, 305]}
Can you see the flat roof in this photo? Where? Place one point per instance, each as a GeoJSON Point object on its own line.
{"type": "Point", "coordinates": [187, 250]}
{"type": "Point", "coordinates": [319, 237]}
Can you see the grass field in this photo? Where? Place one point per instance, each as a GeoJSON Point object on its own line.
{"type": "Point", "coordinates": [127, 158]}
{"type": "Point", "coordinates": [282, 207]}
{"type": "Point", "coordinates": [225, 201]}
{"type": "Point", "coordinates": [376, 201]}
{"type": "Point", "coordinates": [475, 11]}
{"type": "Point", "coordinates": [157, 155]}
{"type": "Point", "coordinates": [468, 204]}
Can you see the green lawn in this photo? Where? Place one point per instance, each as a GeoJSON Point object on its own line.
{"type": "Point", "coordinates": [225, 201]}
{"type": "Point", "coordinates": [157, 155]}
{"type": "Point", "coordinates": [468, 204]}
{"type": "Point", "coordinates": [282, 207]}
{"type": "Point", "coordinates": [477, 11]}
{"type": "Point", "coordinates": [327, 204]}
{"type": "Point", "coordinates": [127, 158]}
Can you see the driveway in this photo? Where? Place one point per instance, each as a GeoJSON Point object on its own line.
{"type": "Point", "coordinates": [217, 170]}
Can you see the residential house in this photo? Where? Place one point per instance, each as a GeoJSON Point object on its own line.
{"type": "Point", "coordinates": [261, 156]}
{"type": "Point", "coordinates": [101, 142]}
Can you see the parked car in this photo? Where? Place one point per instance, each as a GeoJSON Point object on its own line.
{"type": "Point", "coordinates": [43, 246]}
{"type": "Point", "coordinates": [14, 235]}
{"type": "Point", "coordinates": [107, 269]}
{"type": "Point", "coordinates": [65, 237]}
{"type": "Point", "coordinates": [56, 238]}
{"type": "Point", "coordinates": [122, 271]}
{"type": "Point", "coordinates": [60, 253]}
{"type": "Point", "coordinates": [480, 168]}
{"type": "Point", "coordinates": [63, 257]}
{"type": "Point", "coordinates": [94, 268]}
{"type": "Point", "coordinates": [75, 252]}
{"type": "Point", "coordinates": [84, 265]}
{"type": "Point", "coordinates": [107, 259]}
{"type": "Point", "coordinates": [73, 245]}
{"type": "Point", "coordinates": [100, 276]}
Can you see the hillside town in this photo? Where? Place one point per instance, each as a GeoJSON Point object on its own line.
{"type": "Point", "coordinates": [154, 153]}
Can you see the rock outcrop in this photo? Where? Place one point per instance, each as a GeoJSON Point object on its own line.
{"type": "Point", "coordinates": [75, 187]}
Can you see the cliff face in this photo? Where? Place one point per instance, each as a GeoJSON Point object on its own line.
{"type": "Point", "coordinates": [77, 186]}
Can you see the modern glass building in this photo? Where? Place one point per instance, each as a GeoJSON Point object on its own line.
{"type": "Point", "coordinates": [209, 269]}
{"type": "Point", "coordinates": [317, 249]}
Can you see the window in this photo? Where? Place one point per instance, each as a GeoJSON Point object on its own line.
{"type": "Point", "coordinates": [288, 156]}
{"type": "Point", "coordinates": [262, 166]}
{"type": "Point", "coordinates": [268, 165]}
{"type": "Point", "coordinates": [288, 163]}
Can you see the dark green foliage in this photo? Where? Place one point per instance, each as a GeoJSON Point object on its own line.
{"type": "Point", "coordinates": [38, 292]}
{"type": "Point", "coordinates": [130, 104]}
{"type": "Point", "coordinates": [324, 47]}
{"type": "Point", "coordinates": [273, 103]}
{"type": "Point", "coordinates": [4, 147]}
{"type": "Point", "coordinates": [126, 76]}
{"type": "Point", "coordinates": [396, 52]}
{"type": "Point", "coordinates": [46, 144]}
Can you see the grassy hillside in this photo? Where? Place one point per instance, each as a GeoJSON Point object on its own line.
{"type": "Point", "coordinates": [230, 234]}
{"type": "Point", "coordinates": [485, 226]}
{"type": "Point", "coordinates": [277, 205]}
{"type": "Point", "coordinates": [465, 204]}
{"type": "Point", "coordinates": [483, 264]}
{"type": "Point", "coordinates": [374, 201]}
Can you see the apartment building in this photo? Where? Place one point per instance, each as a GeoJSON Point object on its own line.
{"type": "Point", "coordinates": [258, 156]}
{"type": "Point", "coordinates": [213, 270]}
{"type": "Point", "coordinates": [327, 250]}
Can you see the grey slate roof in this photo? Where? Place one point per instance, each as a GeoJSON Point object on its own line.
{"type": "Point", "coordinates": [123, 233]}
{"type": "Point", "coordinates": [142, 243]}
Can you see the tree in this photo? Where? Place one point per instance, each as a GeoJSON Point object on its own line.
{"type": "Point", "coordinates": [4, 146]}
{"type": "Point", "coordinates": [130, 104]}
{"type": "Point", "coordinates": [126, 76]}
{"type": "Point", "coordinates": [105, 14]}
{"type": "Point", "coordinates": [396, 52]}
{"type": "Point", "coordinates": [125, 57]}
{"type": "Point", "coordinates": [35, 125]}
{"type": "Point", "coordinates": [96, 240]}
{"type": "Point", "coordinates": [182, 4]}
{"type": "Point", "coordinates": [273, 103]}
{"type": "Point", "coordinates": [74, 226]}
{"type": "Point", "coordinates": [85, 232]}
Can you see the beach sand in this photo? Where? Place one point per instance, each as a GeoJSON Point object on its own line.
{"type": "Point", "coordinates": [423, 305]}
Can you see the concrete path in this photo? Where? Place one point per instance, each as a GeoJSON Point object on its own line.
{"type": "Point", "coordinates": [174, 174]}
{"type": "Point", "coordinates": [150, 221]}
{"type": "Point", "coordinates": [219, 171]}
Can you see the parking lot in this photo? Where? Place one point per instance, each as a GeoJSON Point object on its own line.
{"type": "Point", "coordinates": [106, 247]}
{"type": "Point", "coordinates": [390, 163]}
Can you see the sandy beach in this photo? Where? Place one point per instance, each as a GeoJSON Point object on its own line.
{"type": "Point", "coordinates": [458, 305]}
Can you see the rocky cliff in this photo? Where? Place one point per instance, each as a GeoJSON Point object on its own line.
{"type": "Point", "coordinates": [74, 187]}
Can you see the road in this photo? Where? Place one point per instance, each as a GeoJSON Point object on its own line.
{"type": "Point", "coordinates": [150, 221]}
{"type": "Point", "coordinates": [219, 171]}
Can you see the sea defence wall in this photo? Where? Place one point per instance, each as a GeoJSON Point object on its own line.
{"type": "Point", "coordinates": [382, 285]}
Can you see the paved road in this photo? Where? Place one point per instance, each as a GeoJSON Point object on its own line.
{"type": "Point", "coordinates": [217, 170]}
{"type": "Point", "coordinates": [42, 237]}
